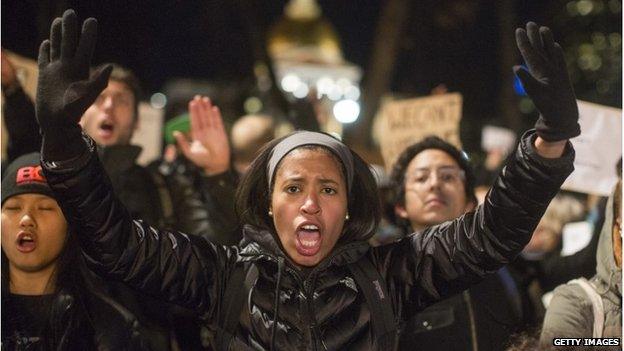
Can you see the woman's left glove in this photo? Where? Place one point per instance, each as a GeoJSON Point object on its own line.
{"type": "Point", "coordinates": [547, 83]}
{"type": "Point", "coordinates": [65, 89]}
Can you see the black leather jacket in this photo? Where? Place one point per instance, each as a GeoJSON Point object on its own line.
{"type": "Point", "coordinates": [324, 309]}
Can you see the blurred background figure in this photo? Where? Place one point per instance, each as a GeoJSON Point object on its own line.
{"type": "Point", "coordinates": [249, 133]}
{"type": "Point", "coordinates": [573, 310]}
{"type": "Point", "coordinates": [19, 114]}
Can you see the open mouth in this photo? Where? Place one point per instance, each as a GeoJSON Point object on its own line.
{"type": "Point", "coordinates": [26, 242]}
{"type": "Point", "coordinates": [308, 241]}
{"type": "Point", "coordinates": [106, 128]}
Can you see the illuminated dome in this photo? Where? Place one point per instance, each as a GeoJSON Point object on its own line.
{"type": "Point", "coordinates": [302, 35]}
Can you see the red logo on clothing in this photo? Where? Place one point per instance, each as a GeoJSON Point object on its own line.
{"type": "Point", "coordinates": [30, 175]}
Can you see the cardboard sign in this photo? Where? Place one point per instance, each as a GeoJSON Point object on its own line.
{"type": "Point", "coordinates": [26, 71]}
{"type": "Point", "coordinates": [405, 122]}
{"type": "Point", "coordinates": [598, 149]}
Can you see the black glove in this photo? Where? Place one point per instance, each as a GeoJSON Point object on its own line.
{"type": "Point", "coordinates": [65, 90]}
{"type": "Point", "coordinates": [547, 84]}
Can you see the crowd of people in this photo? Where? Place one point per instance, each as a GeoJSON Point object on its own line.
{"type": "Point", "coordinates": [249, 241]}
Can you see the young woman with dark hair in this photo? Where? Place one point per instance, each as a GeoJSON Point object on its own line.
{"type": "Point", "coordinates": [312, 281]}
{"type": "Point", "coordinates": [40, 282]}
{"type": "Point", "coordinates": [49, 300]}
{"type": "Point", "coordinates": [254, 196]}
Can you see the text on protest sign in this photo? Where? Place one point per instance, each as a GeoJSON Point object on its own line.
{"type": "Point", "coordinates": [405, 122]}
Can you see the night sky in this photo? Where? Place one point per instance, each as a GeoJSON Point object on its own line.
{"type": "Point", "coordinates": [160, 40]}
{"type": "Point", "coordinates": [453, 42]}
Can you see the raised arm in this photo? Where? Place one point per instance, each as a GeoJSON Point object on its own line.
{"type": "Point", "coordinates": [172, 266]}
{"type": "Point", "coordinates": [19, 113]}
{"type": "Point", "coordinates": [209, 150]}
{"type": "Point", "coordinates": [448, 258]}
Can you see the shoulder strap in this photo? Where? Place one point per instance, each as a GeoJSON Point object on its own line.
{"type": "Point", "coordinates": [382, 314]}
{"type": "Point", "coordinates": [237, 289]}
{"type": "Point", "coordinates": [597, 306]}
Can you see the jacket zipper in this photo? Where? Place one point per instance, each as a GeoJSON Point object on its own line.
{"type": "Point", "coordinates": [309, 293]}
{"type": "Point", "coordinates": [309, 296]}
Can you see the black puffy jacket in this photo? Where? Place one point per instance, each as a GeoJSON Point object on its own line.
{"type": "Point", "coordinates": [323, 310]}
{"type": "Point", "coordinates": [77, 318]}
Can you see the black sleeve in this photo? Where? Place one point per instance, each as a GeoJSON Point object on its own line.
{"type": "Point", "coordinates": [172, 266]}
{"type": "Point", "coordinates": [21, 124]}
{"type": "Point", "coordinates": [219, 194]}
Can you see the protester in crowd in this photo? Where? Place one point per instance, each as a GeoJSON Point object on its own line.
{"type": "Point", "coordinates": [547, 237]}
{"type": "Point", "coordinates": [49, 300]}
{"type": "Point", "coordinates": [592, 308]}
{"type": "Point", "coordinates": [310, 204]}
{"type": "Point", "coordinates": [111, 121]}
{"type": "Point", "coordinates": [434, 183]}
{"type": "Point", "coordinates": [207, 171]}
{"type": "Point", "coordinates": [249, 133]}
{"type": "Point", "coordinates": [19, 113]}
{"type": "Point", "coordinates": [168, 202]}
{"type": "Point", "coordinates": [541, 267]}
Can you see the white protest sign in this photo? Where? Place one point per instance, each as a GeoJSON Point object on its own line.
{"type": "Point", "coordinates": [405, 122]}
{"type": "Point", "coordinates": [598, 149]}
{"type": "Point", "coordinates": [575, 237]}
{"type": "Point", "coordinates": [498, 138]}
{"type": "Point", "coordinates": [149, 134]}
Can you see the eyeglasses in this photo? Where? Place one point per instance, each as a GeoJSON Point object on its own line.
{"type": "Point", "coordinates": [445, 175]}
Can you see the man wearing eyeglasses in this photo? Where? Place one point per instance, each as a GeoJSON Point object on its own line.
{"type": "Point", "coordinates": [434, 183]}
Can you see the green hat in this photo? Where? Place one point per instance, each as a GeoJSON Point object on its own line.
{"type": "Point", "coordinates": [179, 123]}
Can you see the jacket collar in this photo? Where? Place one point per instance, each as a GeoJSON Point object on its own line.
{"type": "Point", "coordinates": [260, 242]}
{"type": "Point", "coordinates": [118, 158]}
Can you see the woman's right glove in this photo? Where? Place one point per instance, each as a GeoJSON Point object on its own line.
{"type": "Point", "coordinates": [65, 90]}
{"type": "Point", "coordinates": [547, 83]}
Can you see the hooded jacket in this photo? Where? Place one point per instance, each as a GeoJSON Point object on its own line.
{"type": "Point", "coordinates": [570, 313]}
{"type": "Point", "coordinates": [323, 309]}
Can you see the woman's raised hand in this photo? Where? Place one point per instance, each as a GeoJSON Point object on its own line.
{"type": "Point", "coordinates": [547, 83]}
{"type": "Point", "coordinates": [65, 89]}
